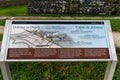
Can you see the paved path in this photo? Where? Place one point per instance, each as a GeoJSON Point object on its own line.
{"type": "Point", "coordinates": [116, 36]}
{"type": "Point", "coordinates": [67, 18]}
{"type": "Point", "coordinates": [1, 29]}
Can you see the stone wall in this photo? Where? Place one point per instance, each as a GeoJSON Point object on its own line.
{"type": "Point", "coordinates": [6, 3]}
{"type": "Point", "coordinates": [90, 7]}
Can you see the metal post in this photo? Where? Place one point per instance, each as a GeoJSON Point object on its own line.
{"type": "Point", "coordinates": [5, 71]}
{"type": "Point", "coordinates": [110, 70]}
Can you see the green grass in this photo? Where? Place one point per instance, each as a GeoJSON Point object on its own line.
{"type": "Point", "coordinates": [1, 37]}
{"type": "Point", "coordinates": [58, 71]}
{"type": "Point", "coordinates": [2, 22]}
{"type": "Point", "coordinates": [115, 23]}
{"type": "Point", "coordinates": [13, 11]}
{"type": "Point", "coordinates": [117, 72]}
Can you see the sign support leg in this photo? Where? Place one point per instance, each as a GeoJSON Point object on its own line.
{"type": "Point", "coordinates": [5, 71]}
{"type": "Point", "coordinates": [110, 70]}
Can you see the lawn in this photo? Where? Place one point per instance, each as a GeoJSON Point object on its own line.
{"type": "Point", "coordinates": [115, 23]}
{"type": "Point", "coordinates": [58, 71]}
{"type": "Point", "coordinates": [13, 11]}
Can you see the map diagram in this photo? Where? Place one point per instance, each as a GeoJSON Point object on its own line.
{"type": "Point", "coordinates": [38, 38]}
{"type": "Point", "coordinates": [57, 36]}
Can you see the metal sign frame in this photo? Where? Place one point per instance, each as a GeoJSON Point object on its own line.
{"type": "Point", "coordinates": [112, 62]}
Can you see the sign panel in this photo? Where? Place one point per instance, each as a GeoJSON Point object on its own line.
{"type": "Point", "coordinates": [58, 40]}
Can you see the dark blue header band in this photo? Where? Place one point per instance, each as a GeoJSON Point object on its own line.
{"type": "Point", "coordinates": [55, 22]}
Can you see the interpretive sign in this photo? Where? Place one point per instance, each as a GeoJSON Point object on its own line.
{"type": "Point", "coordinates": [58, 40]}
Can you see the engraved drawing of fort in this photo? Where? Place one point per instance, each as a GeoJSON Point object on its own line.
{"type": "Point", "coordinates": [38, 39]}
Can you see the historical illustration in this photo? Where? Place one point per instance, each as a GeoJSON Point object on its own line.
{"type": "Point", "coordinates": [57, 36]}
{"type": "Point", "coordinates": [36, 38]}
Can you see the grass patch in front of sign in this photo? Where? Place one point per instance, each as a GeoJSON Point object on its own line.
{"type": "Point", "coordinates": [117, 72]}
{"type": "Point", "coordinates": [13, 11]}
{"type": "Point", "coordinates": [58, 70]}
{"type": "Point", "coordinates": [0, 75]}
